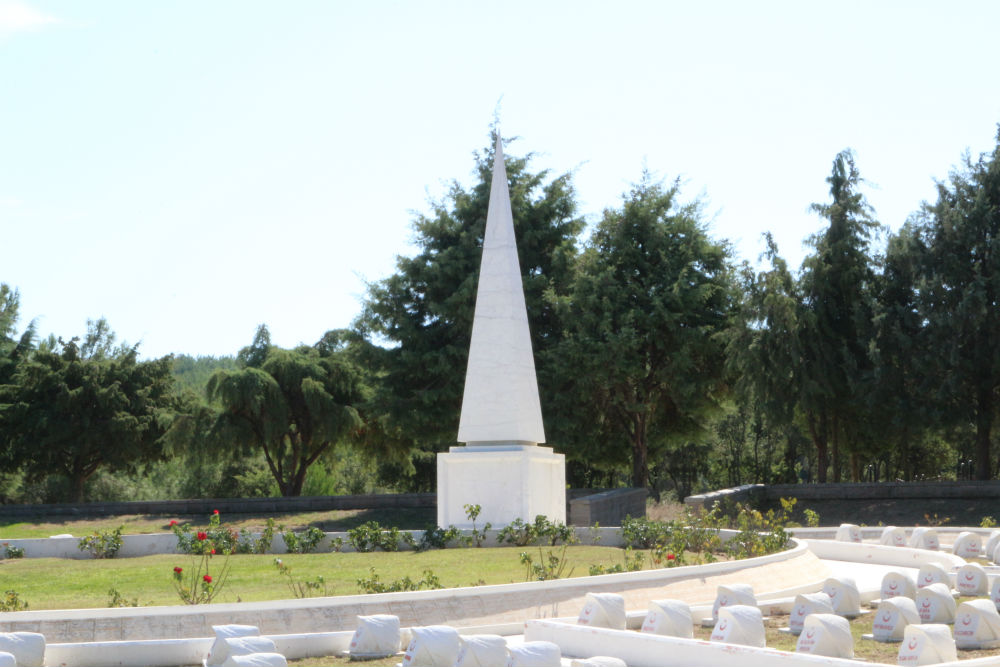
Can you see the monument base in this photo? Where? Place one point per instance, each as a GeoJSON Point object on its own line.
{"type": "Point", "coordinates": [507, 481]}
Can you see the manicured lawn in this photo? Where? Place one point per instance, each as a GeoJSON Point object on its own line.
{"type": "Point", "coordinates": [47, 583]}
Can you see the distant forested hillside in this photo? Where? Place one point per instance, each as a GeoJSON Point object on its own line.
{"type": "Point", "coordinates": [193, 372]}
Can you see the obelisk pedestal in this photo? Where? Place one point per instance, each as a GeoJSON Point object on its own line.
{"type": "Point", "coordinates": [502, 469]}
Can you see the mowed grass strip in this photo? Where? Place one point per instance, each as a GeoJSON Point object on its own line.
{"type": "Point", "coordinates": [330, 521]}
{"type": "Point", "coordinates": [48, 583]}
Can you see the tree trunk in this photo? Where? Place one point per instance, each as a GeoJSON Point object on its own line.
{"type": "Point", "coordinates": [640, 467]}
{"type": "Point", "coordinates": [818, 434]}
{"type": "Point", "coordinates": [855, 468]}
{"type": "Point", "coordinates": [835, 458]}
{"type": "Point", "coordinates": [984, 424]}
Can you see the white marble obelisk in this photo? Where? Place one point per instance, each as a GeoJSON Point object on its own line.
{"type": "Point", "coordinates": [501, 468]}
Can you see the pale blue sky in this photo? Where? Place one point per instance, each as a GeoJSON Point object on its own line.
{"type": "Point", "coordinates": [191, 169]}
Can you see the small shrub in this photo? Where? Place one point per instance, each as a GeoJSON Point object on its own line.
{"type": "Point", "coordinates": [374, 584]}
{"type": "Point", "coordinates": [248, 543]}
{"type": "Point", "coordinates": [988, 522]}
{"type": "Point", "coordinates": [10, 551]}
{"type": "Point", "coordinates": [478, 536]}
{"type": "Point", "coordinates": [336, 544]}
{"type": "Point", "coordinates": [435, 537]}
{"type": "Point", "coordinates": [632, 562]}
{"type": "Point", "coordinates": [116, 599]}
{"type": "Point", "coordinates": [550, 565]}
{"type": "Point", "coordinates": [11, 601]}
{"type": "Point", "coordinates": [300, 589]}
{"type": "Point", "coordinates": [370, 536]}
{"type": "Point", "coordinates": [812, 518]}
{"type": "Point", "coordinates": [221, 538]}
{"type": "Point", "coordinates": [102, 543]}
{"type": "Point", "coordinates": [304, 542]}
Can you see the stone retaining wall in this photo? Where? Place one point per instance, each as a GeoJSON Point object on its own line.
{"type": "Point", "coordinates": [228, 505]}
{"type": "Point", "coordinates": [853, 491]}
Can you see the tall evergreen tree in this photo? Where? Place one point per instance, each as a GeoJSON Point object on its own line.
{"type": "Point", "coordinates": [642, 360]}
{"type": "Point", "coordinates": [419, 320]}
{"type": "Point", "coordinates": [835, 332]}
{"type": "Point", "coordinates": [803, 350]}
{"type": "Point", "coordinates": [957, 239]}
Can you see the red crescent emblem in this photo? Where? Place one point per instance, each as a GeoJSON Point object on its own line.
{"type": "Point", "coordinates": [887, 618]}
{"type": "Point", "coordinates": [913, 643]}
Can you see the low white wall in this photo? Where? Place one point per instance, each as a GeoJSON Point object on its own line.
{"type": "Point", "coordinates": [641, 649]}
{"type": "Point", "coordinates": [878, 554]}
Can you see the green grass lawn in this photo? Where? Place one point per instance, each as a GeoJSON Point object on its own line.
{"type": "Point", "coordinates": [47, 583]}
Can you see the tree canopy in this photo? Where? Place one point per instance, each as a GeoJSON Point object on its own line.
{"type": "Point", "coordinates": [294, 405]}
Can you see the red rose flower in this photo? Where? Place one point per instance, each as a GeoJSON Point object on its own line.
{"type": "Point", "coordinates": [178, 570]}
{"type": "Point", "coordinates": [173, 522]}
{"type": "Point", "coordinates": [213, 552]}
{"type": "Point", "coordinates": [215, 511]}
{"type": "Point", "coordinates": [671, 556]}
{"type": "Point", "coordinates": [202, 536]}
{"type": "Point", "coordinates": [207, 578]}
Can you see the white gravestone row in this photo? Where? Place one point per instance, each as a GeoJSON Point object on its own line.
{"type": "Point", "coordinates": [603, 610]}
{"type": "Point", "coordinates": [848, 532]}
{"type": "Point", "coordinates": [739, 624]}
{"type": "Point", "coordinates": [932, 573]}
{"type": "Point", "coordinates": [827, 635]}
{"type": "Point", "coordinates": [935, 604]}
{"type": "Point", "coordinates": [892, 617]}
{"type": "Point", "coordinates": [727, 596]}
{"type": "Point", "coordinates": [898, 584]}
{"type": "Point", "coordinates": [893, 536]}
{"type": "Point", "coordinates": [844, 596]}
{"type": "Point", "coordinates": [804, 605]}
{"type": "Point", "coordinates": [926, 645]}
{"type": "Point", "coordinates": [669, 617]}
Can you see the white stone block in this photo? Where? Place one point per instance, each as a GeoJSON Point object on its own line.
{"type": "Point", "coordinates": [376, 636]}
{"type": "Point", "coordinates": [967, 545]}
{"type": "Point", "coordinates": [925, 538]}
{"type": "Point", "coordinates": [482, 651]}
{"type": "Point", "coordinates": [534, 654]}
{"type": "Point", "coordinates": [935, 604]}
{"type": "Point", "coordinates": [27, 647]}
{"type": "Point", "coordinates": [7, 659]}
{"type": "Point", "coordinates": [848, 532]}
{"type": "Point", "coordinates": [977, 625]}
{"type": "Point", "coordinates": [971, 580]}
{"type": "Point", "coordinates": [932, 573]}
{"type": "Point", "coordinates": [603, 610]}
{"type": "Point", "coordinates": [896, 584]}
{"type": "Point", "coordinates": [892, 617]}
{"type": "Point", "coordinates": [432, 646]}
{"type": "Point", "coordinates": [844, 596]}
{"type": "Point", "coordinates": [893, 537]}
{"type": "Point", "coordinates": [927, 645]}
{"type": "Point", "coordinates": [256, 660]}
{"type": "Point", "coordinates": [739, 624]}
{"type": "Point", "coordinates": [991, 543]}
{"type": "Point", "coordinates": [509, 482]}
{"type": "Point", "coordinates": [598, 661]}
{"type": "Point", "coordinates": [733, 594]}
{"type": "Point", "coordinates": [806, 604]}
{"type": "Point", "coordinates": [827, 635]}
{"type": "Point", "coordinates": [669, 617]}
{"type": "Point", "coordinates": [227, 647]}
